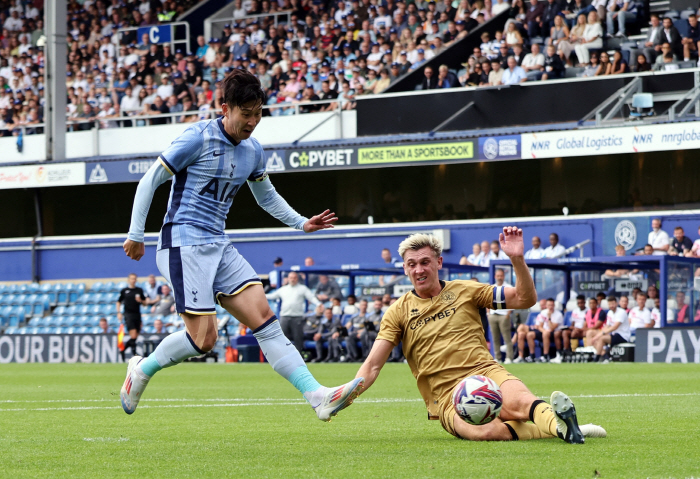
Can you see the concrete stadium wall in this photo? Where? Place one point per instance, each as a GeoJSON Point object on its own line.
{"type": "Point", "coordinates": [102, 256]}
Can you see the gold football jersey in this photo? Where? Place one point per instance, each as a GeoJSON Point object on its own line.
{"type": "Point", "coordinates": [443, 338]}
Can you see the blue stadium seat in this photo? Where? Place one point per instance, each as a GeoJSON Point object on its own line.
{"type": "Point", "coordinates": [22, 330]}
{"type": "Point", "coordinates": [48, 290]}
{"type": "Point", "coordinates": [59, 310]}
{"type": "Point", "coordinates": [531, 318]}
{"type": "Point", "coordinates": [98, 287]}
{"type": "Point", "coordinates": [12, 289]}
{"type": "Point", "coordinates": [83, 310]}
{"type": "Point", "coordinates": [109, 308]}
{"type": "Point", "coordinates": [70, 330]}
{"type": "Point", "coordinates": [3, 289]}
{"type": "Point", "coordinates": [148, 330]}
{"type": "Point", "coordinates": [95, 330]}
{"type": "Point", "coordinates": [34, 288]}
{"type": "Point", "coordinates": [17, 299]}
{"type": "Point", "coordinates": [95, 309]}
{"type": "Point", "coordinates": [6, 299]}
{"type": "Point", "coordinates": [67, 321]}
{"type": "Point", "coordinates": [121, 285]}
{"type": "Point", "coordinates": [23, 289]}
{"type": "Point", "coordinates": [61, 294]}
{"type": "Point", "coordinates": [16, 315]}
{"type": "Point", "coordinates": [567, 319]}
{"type": "Point", "coordinates": [82, 299]}
{"type": "Point", "coordinates": [113, 322]}
{"type": "Point", "coordinates": [112, 297]}
{"type": "Point", "coordinates": [11, 330]}
{"type": "Point", "coordinates": [71, 310]}
{"type": "Point", "coordinates": [38, 320]}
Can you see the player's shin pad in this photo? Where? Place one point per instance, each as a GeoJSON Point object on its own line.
{"type": "Point", "coordinates": [542, 415]}
{"type": "Point", "coordinates": [174, 349]}
{"type": "Point", "coordinates": [284, 357]}
{"type": "Point", "coordinates": [525, 431]}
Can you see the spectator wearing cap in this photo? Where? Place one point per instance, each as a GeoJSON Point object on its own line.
{"type": "Point", "coordinates": [210, 54]}
{"type": "Point", "coordinates": [395, 71]}
{"type": "Point", "coordinates": [513, 74]}
{"type": "Point", "coordinates": [275, 275]}
{"type": "Point", "coordinates": [180, 89]}
{"type": "Point", "coordinates": [420, 61]}
{"type": "Point", "coordinates": [165, 90]}
{"type": "Point", "coordinates": [382, 19]}
{"type": "Point", "coordinates": [240, 48]}
{"type": "Point", "coordinates": [374, 59]}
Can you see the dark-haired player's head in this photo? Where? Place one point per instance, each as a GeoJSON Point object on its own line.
{"type": "Point", "coordinates": [243, 99]}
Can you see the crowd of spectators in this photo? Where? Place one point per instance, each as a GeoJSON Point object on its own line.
{"type": "Point", "coordinates": [305, 51]}
{"type": "Point", "coordinates": [104, 65]}
{"type": "Point", "coordinates": [542, 39]}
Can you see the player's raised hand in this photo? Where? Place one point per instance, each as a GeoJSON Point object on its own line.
{"type": "Point", "coordinates": [320, 222]}
{"type": "Point", "coordinates": [512, 241]}
{"type": "Point", "coordinates": [134, 250]}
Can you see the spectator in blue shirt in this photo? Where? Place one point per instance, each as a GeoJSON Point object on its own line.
{"type": "Point", "coordinates": [691, 39]}
{"type": "Point", "coordinates": [202, 49]}
{"type": "Point", "coordinates": [513, 74]}
{"type": "Point", "coordinates": [420, 61]}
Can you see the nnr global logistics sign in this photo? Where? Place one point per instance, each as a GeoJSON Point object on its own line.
{"type": "Point", "coordinates": [397, 155]}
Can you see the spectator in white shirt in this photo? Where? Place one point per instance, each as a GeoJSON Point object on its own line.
{"type": "Point", "coordinates": [554, 250]}
{"type": "Point", "coordinates": [658, 238]}
{"type": "Point", "coordinates": [533, 63]}
{"type": "Point", "coordinates": [485, 250]}
{"type": "Point", "coordinates": [499, 320]}
{"type": "Point", "coordinates": [475, 258]}
{"type": "Point", "coordinates": [615, 331]}
{"type": "Point", "coordinates": [294, 296]}
{"type": "Point", "coordinates": [640, 316]}
{"type": "Point", "coordinates": [495, 253]}
{"type": "Point", "coordinates": [537, 252]}
{"type": "Point", "coordinates": [546, 323]}
{"type": "Point", "coordinates": [578, 327]}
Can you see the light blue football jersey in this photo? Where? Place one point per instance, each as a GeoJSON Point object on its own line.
{"type": "Point", "coordinates": [209, 168]}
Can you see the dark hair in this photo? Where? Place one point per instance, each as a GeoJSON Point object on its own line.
{"type": "Point", "coordinates": [550, 299]}
{"type": "Point", "coordinates": [612, 298]}
{"type": "Point", "coordinates": [241, 87]}
{"type": "Point", "coordinates": [580, 297]}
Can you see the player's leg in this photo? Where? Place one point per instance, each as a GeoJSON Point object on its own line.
{"type": "Point", "coordinates": [531, 336]}
{"type": "Point", "coordinates": [496, 430]}
{"type": "Point", "coordinates": [600, 346]}
{"type": "Point", "coordinates": [589, 336]}
{"type": "Point", "coordinates": [522, 334]}
{"type": "Point", "coordinates": [566, 337]}
{"type": "Point", "coordinates": [546, 342]}
{"type": "Point", "coordinates": [250, 307]}
{"type": "Point", "coordinates": [240, 292]}
{"type": "Point", "coordinates": [519, 405]}
{"type": "Point", "coordinates": [506, 330]}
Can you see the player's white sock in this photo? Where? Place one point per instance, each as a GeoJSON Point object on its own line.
{"type": "Point", "coordinates": [174, 349]}
{"type": "Point", "coordinates": [284, 357]}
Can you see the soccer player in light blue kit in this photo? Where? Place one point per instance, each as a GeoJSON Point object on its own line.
{"type": "Point", "coordinates": [209, 162]}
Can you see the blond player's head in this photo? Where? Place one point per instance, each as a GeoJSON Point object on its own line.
{"type": "Point", "coordinates": [422, 258]}
{"type": "Point", "coordinates": [420, 241]}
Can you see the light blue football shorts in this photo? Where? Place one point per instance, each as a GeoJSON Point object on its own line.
{"type": "Point", "coordinates": [201, 274]}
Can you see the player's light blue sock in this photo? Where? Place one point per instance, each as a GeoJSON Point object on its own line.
{"type": "Point", "coordinates": [284, 357]}
{"type": "Point", "coordinates": [174, 349]}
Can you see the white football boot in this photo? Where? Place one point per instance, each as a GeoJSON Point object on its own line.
{"type": "Point", "coordinates": [593, 430]}
{"type": "Point", "coordinates": [328, 402]}
{"type": "Point", "coordinates": [565, 413]}
{"type": "Point", "coordinates": [133, 386]}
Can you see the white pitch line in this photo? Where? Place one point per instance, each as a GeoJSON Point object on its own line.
{"type": "Point", "coordinates": [238, 402]}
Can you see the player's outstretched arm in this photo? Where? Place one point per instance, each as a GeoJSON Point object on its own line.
{"type": "Point", "coordinates": [156, 175]}
{"type": "Point", "coordinates": [374, 363]}
{"type": "Point", "coordinates": [523, 295]}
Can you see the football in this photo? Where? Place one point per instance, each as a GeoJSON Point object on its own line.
{"type": "Point", "coordinates": [477, 400]}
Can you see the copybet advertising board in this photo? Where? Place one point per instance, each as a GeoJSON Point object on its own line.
{"type": "Point", "coordinates": [605, 141]}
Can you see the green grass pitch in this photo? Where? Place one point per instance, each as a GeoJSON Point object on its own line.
{"type": "Point", "coordinates": [242, 420]}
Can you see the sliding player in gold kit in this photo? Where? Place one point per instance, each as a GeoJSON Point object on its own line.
{"type": "Point", "coordinates": [439, 326]}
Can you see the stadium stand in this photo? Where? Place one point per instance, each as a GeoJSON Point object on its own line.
{"type": "Point", "coordinates": [307, 52]}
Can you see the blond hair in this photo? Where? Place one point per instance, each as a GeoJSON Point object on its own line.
{"type": "Point", "coordinates": [421, 240]}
